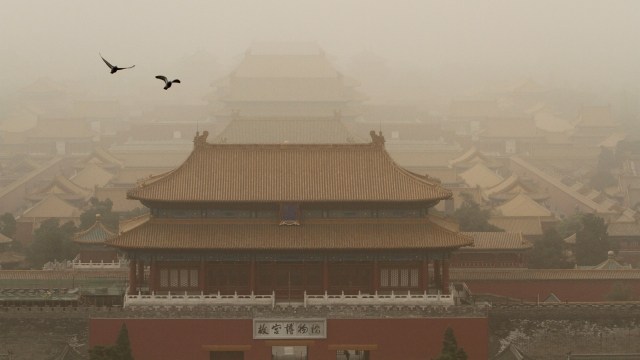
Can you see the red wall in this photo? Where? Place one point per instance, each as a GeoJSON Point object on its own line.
{"type": "Point", "coordinates": [406, 339]}
{"type": "Point", "coordinates": [567, 290]}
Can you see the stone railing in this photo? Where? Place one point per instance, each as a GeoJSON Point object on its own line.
{"type": "Point", "coordinates": [392, 299]}
{"type": "Point", "coordinates": [186, 299]}
{"type": "Point", "coordinates": [360, 299]}
{"type": "Point", "coordinates": [98, 265]}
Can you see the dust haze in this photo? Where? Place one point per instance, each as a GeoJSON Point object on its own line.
{"type": "Point", "coordinates": [422, 52]}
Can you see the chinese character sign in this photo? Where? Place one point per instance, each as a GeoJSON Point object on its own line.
{"type": "Point", "coordinates": [289, 328]}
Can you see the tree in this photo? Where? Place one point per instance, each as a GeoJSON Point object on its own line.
{"type": "Point", "coordinates": [606, 160]}
{"type": "Point", "coordinates": [120, 351]}
{"type": "Point", "coordinates": [52, 242]}
{"type": "Point", "coordinates": [8, 229]}
{"type": "Point", "coordinates": [569, 225]}
{"type": "Point", "coordinates": [592, 242]}
{"type": "Point", "coordinates": [472, 218]}
{"type": "Point", "coordinates": [603, 177]}
{"type": "Point", "coordinates": [548, 252]}
{"type": "Point", "coordinates": [8, 225]}
{"type": "Point", "coordinates": [450, 349]}
{"type": "Point", "coordinates": [99, 352]}
{"type": "Point", "coordinates": [123, 346]}
{"type": "Point", "coordinates": [107, 217]}
{"type": "Point", "coordinates": [602, 180]}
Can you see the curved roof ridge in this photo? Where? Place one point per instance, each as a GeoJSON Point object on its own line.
{"type": "Point", "coordinates": [523, 205]}
{"type": "Point", "coordinates": [307, 236]}
{"type": "Point", "coordinates": [96, 233]}
{"type": "Point", "coordinates": [507, 185]}
{"type": "Point", "coordinates": [465, 156]}
{"type": "Point", "coordinates": [424, 178]}
{"type": "Point", "coordinates": [289, 172]}
{"type": "Point", "coordinates": [70, 185]}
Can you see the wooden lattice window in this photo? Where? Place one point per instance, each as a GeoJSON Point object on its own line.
{"type": "Point", "coordinates": [178, 278]}
{"type": "Point", "coordinates": [399, 278]}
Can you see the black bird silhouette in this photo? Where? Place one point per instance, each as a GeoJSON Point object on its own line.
{"type": "Point", "coordinates": [114, 68]}
{"type": "Point", "coordinates": [167, 82]}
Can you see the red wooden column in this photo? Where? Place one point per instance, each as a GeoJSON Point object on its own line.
{"type": "Point", "coordinates": [152, 275]}
{"type": "Point", "coordinates": [252, 275]}
{"type": "Point", "coordinates": [376, 275]}
{"type": "Point", "coordinates": [325, 275]}
{"type": "Point", "coordinates": [436, 274]}
{"type": "Point", "coordinates": [140, 272]}
{"type": "Point", "coordinates": [425, 273]}
{"type": "Point", "coordinates": [133, 284]}
{"type": "Point", "coordinates": [201, 277]}
{"type": "Point", "coordinates": [445, 276]}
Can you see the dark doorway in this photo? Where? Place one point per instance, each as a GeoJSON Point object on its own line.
{"type": "Point", "coordinates": [226, 355]}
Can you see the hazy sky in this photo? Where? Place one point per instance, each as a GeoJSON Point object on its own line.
{"type": "Point", "coordinates": [575, 41]}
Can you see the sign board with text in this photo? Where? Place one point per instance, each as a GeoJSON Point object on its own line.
{"type": "Point", "coordinates": [289, 328]}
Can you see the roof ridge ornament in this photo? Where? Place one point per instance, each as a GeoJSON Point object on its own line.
{"type": "Point", "coordinates": [200, 140]}
{"type": "Point", "coordinates": [377, 139]}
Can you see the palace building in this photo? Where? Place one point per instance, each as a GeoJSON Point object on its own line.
{"type": "Point", "coordinates": [317, 251]}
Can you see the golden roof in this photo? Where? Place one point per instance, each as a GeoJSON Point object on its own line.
{"type": "Point", "coordinates": [288, 172]}
{"type": "Point", "coordinates": [480, 175]}
{"type": "Point", "coordinates": [51, 207]}
{"type": "Point", "coordinates": [497, 241]}
{"type": "Point", "coordinates": [522, 205]}
{"type": "Point", "coordinates": [320, 235]}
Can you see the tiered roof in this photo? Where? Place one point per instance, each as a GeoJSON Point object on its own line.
{"type": "Point", "coordinates": [480, 175]}
{"type": "Point", "coordinates": [91, 176]}
{"type": "Point", "coordinates": [327, 235]}
{"type": "Point", "coordinates": [522, 205]}
{"type": "Point", "coordinates": [471, 157]}
{"type": "Point", "coordinates": [265, 76]}
{"type": "Point", "coordinates": [288, 172]}
{"type": "Point", "coordinates": [102, 158]}
{"type": "Point", "coordinates": [510, 188]}
{"type": "Point", "coordinates": [96, 234]}
{"type": "Point", "coordinates": [318, 130]}
{"type": "Point", "coordinates": [51, 207]}
{"type": "Point", "coordinates": [63, 188]}
{"type": "Point", "coordinates": [282, 173]}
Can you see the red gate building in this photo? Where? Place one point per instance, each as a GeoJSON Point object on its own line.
{"type": "Point", "coordinates": [335, 238]}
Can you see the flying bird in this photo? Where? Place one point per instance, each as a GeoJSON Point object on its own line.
{"type": "Point", "coordinates": [167, 82]}
{"type": "Point", "coordinates": [114, 68]}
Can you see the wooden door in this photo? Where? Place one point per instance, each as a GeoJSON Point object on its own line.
{"type": "Point", "coordinates": [289, 280]}
{"type": "Point", "coordinates": [226, 355]}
